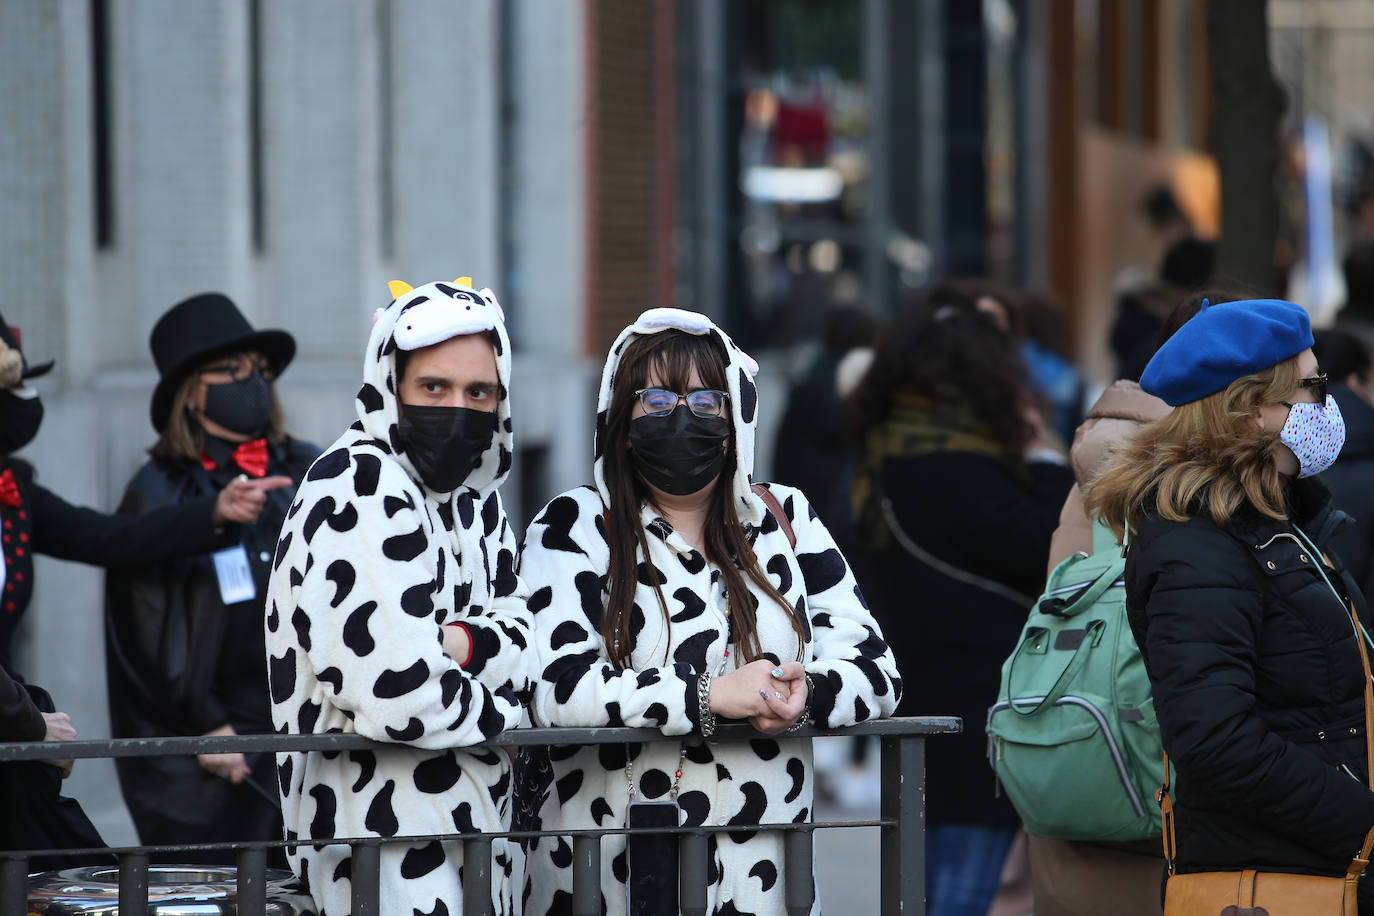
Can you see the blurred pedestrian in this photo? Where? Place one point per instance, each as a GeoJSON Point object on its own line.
{"type": "Point", "coordinates": [1357, 314]}
{"type": "Point", "coordinates": [1187, 266]}
{"type": "Point", "coordinates": [184, 636]}
{"type": "Point", "coordinates": [1089, 878]}
{"type": "Point", "coordinates": [1052, 372]}
{"type": "Point", "coordinates": [1242, 614]}
{"type": "Point", "coordinates": [960, 522]}
{"type": "Point", "coordinates": [1344, 358]}
{"type": "Point", "coordinates": [33, 519]}
{"type": "Point", "coordinates": [673, 595]}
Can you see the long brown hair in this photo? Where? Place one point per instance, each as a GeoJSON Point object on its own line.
{"type": "Point", "coordinates": [183, 438]}
{"type": "Point", "coordinates": [1207, 457]}
{"type": "Point", "coordinates": [671, 356]}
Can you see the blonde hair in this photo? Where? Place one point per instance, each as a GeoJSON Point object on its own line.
{"type": "Point", "coordinates": [1207, 457]}
{"type": "Point", "coordinates": [183, 437]}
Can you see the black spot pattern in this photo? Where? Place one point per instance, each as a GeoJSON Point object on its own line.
{"type": "Point", "coordinates": [437, 774]}
{"type": "Point", "coordinates": [797, 771]}
{"type": "Point", "coordinates": [420, 861]}
{"type": "Point", "coordinates": [333, 677]}
{"type": "Point", "coordinates": [329, 465]}
{"type": "Point", "coordinates": [766, 872]}
{"type": "Point", "coordinates": [405, 547]}
{"type": "Point", "coordinates": [558, 518]}
{"type": "Point", "coordinates": [821, 571]}
{"type": "Point", "coordinates": [367, 766]}
{"type": "Point", "coordinates": [342, 574]}
{"type": "Point", "coordinates": [356, 635]}
{"type": "Point", "coordinates": [381, 818]}
{"type": "Point", "coordinates": [281, 676]}
{"type": "Point", "coordinates": [326, 807]}
{"type": "Point", "coordinates": [391, 684]}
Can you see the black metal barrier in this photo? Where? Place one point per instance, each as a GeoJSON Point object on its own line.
{"type": "Point", "coordinates": [901, 863]}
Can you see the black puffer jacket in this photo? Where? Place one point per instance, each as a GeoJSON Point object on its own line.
{"type": "Point", "coordinates": [1258, 687]}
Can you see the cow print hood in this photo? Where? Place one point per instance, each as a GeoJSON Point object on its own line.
{"type": "Point", "coordinates": [421, 317]}
{"type": "Point", "coordinates": [740, 370]}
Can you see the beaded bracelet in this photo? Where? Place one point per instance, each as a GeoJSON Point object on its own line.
{"type": "Point", "coordinates": [706, 717]}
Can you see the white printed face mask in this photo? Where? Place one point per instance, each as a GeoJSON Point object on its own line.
{"type": "Point", "coordinates": [1315, 433]}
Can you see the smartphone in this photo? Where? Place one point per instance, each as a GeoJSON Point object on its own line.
{"type": "Point", "coordinates": [652, 859]}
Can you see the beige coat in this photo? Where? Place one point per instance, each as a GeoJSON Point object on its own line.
{"type": "Point", "coordinates": [1122, 409]}
{"type": "Point", "coordinates": [1087, 879]}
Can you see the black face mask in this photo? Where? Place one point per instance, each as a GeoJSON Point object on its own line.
{"type": "Point", "coordinates": [679, 453]}
{"type": "Point", "coordinates": [445, 443]}
{"type": "Point", "coordinates": [19, 421]}
{"type": "Point", "coordinates": [242, 407]}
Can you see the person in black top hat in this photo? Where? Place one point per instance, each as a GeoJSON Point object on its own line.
{"type": "Point", "coordinates": [33, 520]}
{"type": "Point", "coordinates": [184, 636]}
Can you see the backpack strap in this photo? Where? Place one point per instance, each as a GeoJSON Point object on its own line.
{"type": "Point", "coordinates": [775, 508]}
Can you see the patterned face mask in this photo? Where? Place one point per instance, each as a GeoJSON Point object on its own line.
{"type": "Point", "coordinates": [1315, 433]}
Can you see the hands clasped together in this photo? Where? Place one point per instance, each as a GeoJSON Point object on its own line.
{"type": "Point", "coordinates": [771, 697]}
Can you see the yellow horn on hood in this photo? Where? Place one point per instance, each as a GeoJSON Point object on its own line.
{"type": "Point", "coordinates": [399, 288]}
{"type": "Point", "coordinates": [464, 281]}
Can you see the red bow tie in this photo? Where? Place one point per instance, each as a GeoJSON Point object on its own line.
{"type": "Point", "coordinates": [9, 490]}
{"type": "Point", "coordinates": [251, 456]}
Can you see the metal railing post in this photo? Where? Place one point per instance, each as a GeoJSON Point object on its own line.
{"type": "Point", "coordinates": [366, 879]}
{"type": "Point", "coordinates": [692, 853]}
{"type": "Point", "coordinates": [133, 884]}
{"type": "Point", "coordinates": [477, 876]}
{"type": "Point", "coordinates": [586, 876]}
{"type": "Point", "coordinates": [797, 857]}
{"type": "Point", "coordinates": [902, 852]}
{"type": "Point", "coordinates": [251, 895]}
{"type": "Point", "coordinates": [14, 887]}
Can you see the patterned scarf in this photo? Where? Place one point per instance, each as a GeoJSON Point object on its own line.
{"type": "Point", "coordinates": [918, 425]}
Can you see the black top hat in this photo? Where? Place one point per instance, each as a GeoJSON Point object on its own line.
{"type": "Point", "coordinates": [199, 329]}
{"type": "Point", "coordinates": [10, 336]}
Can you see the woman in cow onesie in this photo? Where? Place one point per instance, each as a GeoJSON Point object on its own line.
{"type": "Point", "coordinates": [397, 533]}
{"type": "Point", "coordinates": [637, 622]}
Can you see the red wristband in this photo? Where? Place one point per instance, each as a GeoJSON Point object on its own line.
{"type": "Point", "coordinates": [459, 623]}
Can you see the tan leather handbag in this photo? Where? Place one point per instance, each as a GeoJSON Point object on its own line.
{"type": "Point", "coordinates": [1267, 893]}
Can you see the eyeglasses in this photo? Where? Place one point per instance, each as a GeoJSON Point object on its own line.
{"type": "Point", "coordinates": [704, 402]}
{"type": "Point", "coordinates": [237, 368]}
{"type": "Point", "coordinates": [1317, 382]}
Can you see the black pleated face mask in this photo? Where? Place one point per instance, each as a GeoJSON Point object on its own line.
{"type": "Point", "coordinates": [445, 444]}
{"type": "Point", "coordinates": [19, 421]}
{"type": "Point", "coordinates": [680, 453]}
{"type": "Point", "coordinates": [242, 406]}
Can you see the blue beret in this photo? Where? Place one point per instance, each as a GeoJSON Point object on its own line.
{"type": "Point", "coordinates": [1225, 342]}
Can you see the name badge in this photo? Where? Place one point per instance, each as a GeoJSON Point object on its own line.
{"type": "Point", "coordinates": [235, 578]}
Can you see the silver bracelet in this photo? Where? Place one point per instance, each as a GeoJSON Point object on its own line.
{"type": "Point", "coordinates": [705, 716]}
{"type": "Point", "coordinates": [806, 710]}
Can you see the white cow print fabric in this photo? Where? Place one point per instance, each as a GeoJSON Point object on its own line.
{"type": "Point", "coordinates": [370, 565]}
{"type": "Point", "coordinates": [768, 780]}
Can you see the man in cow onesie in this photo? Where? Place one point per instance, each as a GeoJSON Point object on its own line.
{"type": "Point", "coordinates": [394, 611]}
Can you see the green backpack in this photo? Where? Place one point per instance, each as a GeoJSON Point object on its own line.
{"type": "Point", "coordinates": [1073, 735]}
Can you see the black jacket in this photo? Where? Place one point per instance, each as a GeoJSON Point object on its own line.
{"type": "Point", "coordinates": [45, 523]}
{"type": "Point", "coordinates": [179, 662]}
{"type": "Point", "coordinates": [950, 638]}
{"type": "Point", "coordinates": [1258, 687]}
{"type": "Point", "coordinates": [1351, 480]}
{"type": "Point", "coordinates": [20, 719]}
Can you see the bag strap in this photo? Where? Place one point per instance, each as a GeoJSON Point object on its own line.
{"type": "Point", "coordinates": [1361, 860]}
{"type": "Point", "coordinates": [949, 569]}
{"type": "Point", "coordinates": [1061, 685]}
{"type": "Point", "coordinates": [775, 507]}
